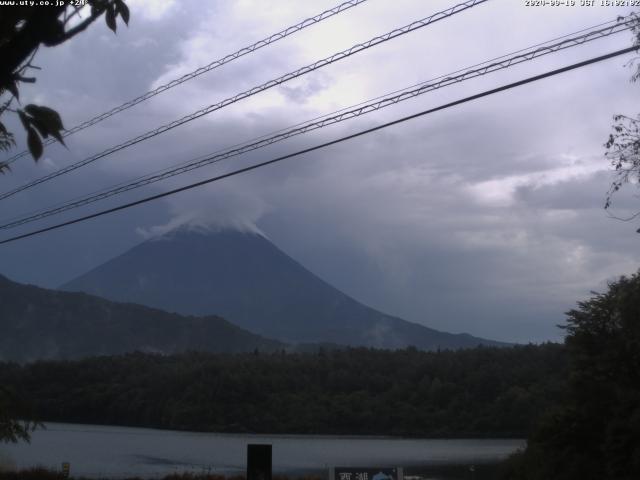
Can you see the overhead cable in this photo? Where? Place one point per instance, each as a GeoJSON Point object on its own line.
{"type": "Point", "coordinates": [362, 109]}
{"type": "Point", "coordinates": [265, 86]}
{"type": "Point", "coordinates": [325, 144]}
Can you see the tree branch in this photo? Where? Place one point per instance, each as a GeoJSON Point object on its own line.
{"type": "Point", "coordinates": [78, 28]}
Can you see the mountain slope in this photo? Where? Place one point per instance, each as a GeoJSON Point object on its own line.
{"type": "Point", "coordinates": [36, 323]}
{"type": "Point", "coordinates": [249, 281]}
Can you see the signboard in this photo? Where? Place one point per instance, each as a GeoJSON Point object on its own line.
{"type": "Point", "coordinates": [259, 462]}
{"type": "Point", "coordinates": [366, 473]}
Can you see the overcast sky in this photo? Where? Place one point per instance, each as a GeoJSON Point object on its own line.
{"type": "Point", "coordinates": [485, 218]}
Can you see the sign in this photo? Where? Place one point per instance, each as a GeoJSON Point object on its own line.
{"type": "Point", "coordinates": [366, 473]}
{"type": "Point", "coordinates": [259, 462]}
{"type": "Point", "coordinates": [66, 467]}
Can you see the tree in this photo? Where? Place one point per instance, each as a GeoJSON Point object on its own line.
{"type": "Point", "coordinates": [23, 29]}
{"type": "Point", "coordinates": [604, 348]}
{"type": "Point", "coordinates": [11, 429]}
{"type": "Point", "coordinates": [623, 145]}
{"type": "Point", "coordinates": [595, 434]}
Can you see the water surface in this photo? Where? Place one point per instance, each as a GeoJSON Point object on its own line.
{"type": "Point", "coordinates": [104, 451]}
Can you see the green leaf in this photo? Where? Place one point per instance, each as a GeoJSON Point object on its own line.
{"type": "Point", "coordinates": [48, 115]}
{"type": "Point", "coordinates": [123, 10]}
{"type": "Point", "coordinates": [110, 17]}
{"type": "Point", "coordinates": [40, 127]}
{"type": "Point", "coordinates": [56, 134]}
{"type": "Point", "coordinates": [26, 121]}
{"type": "Point", "coordinates": [46, 120]}
{"type": "Point", "coordinates": [34, 143]}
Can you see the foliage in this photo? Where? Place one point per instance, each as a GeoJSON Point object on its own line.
{"type": "Point", "coordinates": [623, 145]}
{"type": "Point", "coordinates": [26, 26]}
{"type": "Point", "coordinates": [11, 429]}
{"type": "Point", "coordinates": [623, 150]}
{"type": "Point", "coordinates": [595, 434]}
{"type": "Point", "coordinates": [497, 392]}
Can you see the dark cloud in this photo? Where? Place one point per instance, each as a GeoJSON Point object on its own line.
{"type": "Point", "coordinates": [485, 218]}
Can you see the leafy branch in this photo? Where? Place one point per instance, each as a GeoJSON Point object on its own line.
{"type": "Point", "coordinates": [11, 429]}
{"type": "Point", "coordinates": [623, 145]}
{"type": "Point", "coordinates": [23, 29]}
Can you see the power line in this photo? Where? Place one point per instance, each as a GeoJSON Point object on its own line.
{"type": "Point", "coordinates": [207, 68]}
{"type": "Point", "coordinates": [83, 197]}
{"type": "Point", "coordinates": [345, 114]}
{"type": "Point", "coordinates": [326, 144]}
{"type": "Point", "coordinates": [265, 86]}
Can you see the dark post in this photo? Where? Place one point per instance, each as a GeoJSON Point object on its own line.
{"type": "Point", "coordinates": [258, 462]}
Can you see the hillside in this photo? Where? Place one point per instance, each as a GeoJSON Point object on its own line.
{"type": "Point", "coordinates": [244, 278]}
{"type": "Point", "coordinates": [36, 323]}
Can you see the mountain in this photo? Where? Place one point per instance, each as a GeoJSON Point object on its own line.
{"type": "Point", "coordinates": [244, 278]}
{"type": "Point", "coordinates": [36, 323]}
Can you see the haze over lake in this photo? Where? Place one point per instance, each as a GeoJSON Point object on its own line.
{"type": "Point", "coordinates": [99, 451]}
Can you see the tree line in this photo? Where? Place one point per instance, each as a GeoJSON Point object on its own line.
{"type": "Point", "coordinates": [482, 392]}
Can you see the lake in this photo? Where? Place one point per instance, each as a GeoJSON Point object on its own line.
{"type": "Point", "coordinates": [104, 451]}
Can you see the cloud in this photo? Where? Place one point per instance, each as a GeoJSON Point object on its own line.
{"type": "Point", "coordinates": [485, 218]}
{"type": "Point", "coordinates": [222, 207]}
{"type": "Point", "coordinates": [300, 90]}
{"type": "Point", "coordinates": [501, 191]}
{"type": "Point", "coordinates": [151, 10]}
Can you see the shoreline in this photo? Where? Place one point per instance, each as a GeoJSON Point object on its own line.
{"type": "Point", "coordinates": [328, 436]}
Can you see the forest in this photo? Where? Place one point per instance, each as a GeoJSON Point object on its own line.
{"type": "Point", "coordinates": [482, 392]}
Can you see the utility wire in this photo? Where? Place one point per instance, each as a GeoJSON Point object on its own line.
{"type": "Point", "coordinates": [207, 68]}
{"type": "Point", "coordinates": [326, 144]}
{"type": "Point", "coordinates": [310, 126]}
{"type": "Point", "coordinates": [265, 86]}
{"type": "Point", "coordinates": [268, 134]}
{"type": "Point", "coordinates": [39, 213]}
